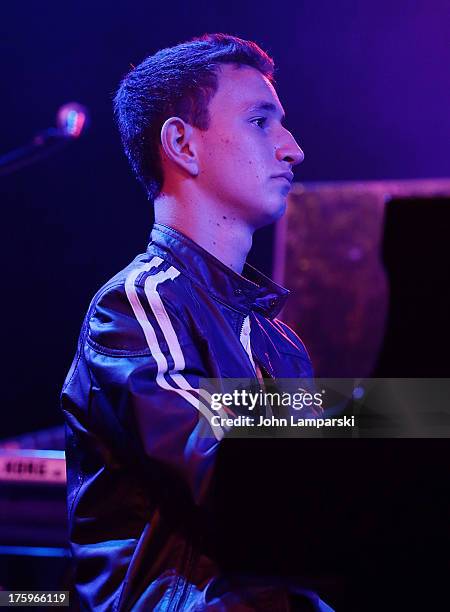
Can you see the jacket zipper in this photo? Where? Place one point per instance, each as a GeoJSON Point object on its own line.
{"type": "Point", "coordinates": [186, 585]}
{"type": "Point", "coordinates": [250, 359]}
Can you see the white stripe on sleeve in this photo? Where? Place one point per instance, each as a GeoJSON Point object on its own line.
{"type": "Point", "coordinates": [158, 309]}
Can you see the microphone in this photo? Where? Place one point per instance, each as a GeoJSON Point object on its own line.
{"type": "Point", "coordinates": [72, 119]}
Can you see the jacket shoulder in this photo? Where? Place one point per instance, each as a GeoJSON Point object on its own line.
{"type": "Point", "coordinates": [133, 300]}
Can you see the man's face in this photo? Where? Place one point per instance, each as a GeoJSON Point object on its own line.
{"type": "Point", "coordinates": [246, 150]}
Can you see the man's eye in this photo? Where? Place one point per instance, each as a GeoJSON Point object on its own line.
{"type": "Point", "coordinates": [260, 121]}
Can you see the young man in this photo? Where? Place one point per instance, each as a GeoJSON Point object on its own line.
{"type": "Point", "coordinates": [202, 126]}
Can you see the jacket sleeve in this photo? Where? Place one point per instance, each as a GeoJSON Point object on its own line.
{"type": "Point", "coordinates": [144, 399]}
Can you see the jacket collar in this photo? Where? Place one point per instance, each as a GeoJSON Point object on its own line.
{"type": "Point", "coordinates": [251, 291]}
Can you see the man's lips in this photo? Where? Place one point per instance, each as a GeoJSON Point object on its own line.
{"type": "Point", "coordinates": [285, 175]}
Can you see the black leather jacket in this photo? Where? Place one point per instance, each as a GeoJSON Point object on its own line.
{"type": "Point", "coordinates": [139, 470]}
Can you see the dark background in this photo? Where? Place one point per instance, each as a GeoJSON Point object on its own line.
{"type": "Point", "coordinates": [365, 86]}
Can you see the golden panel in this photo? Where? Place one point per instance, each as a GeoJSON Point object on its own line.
{"type": "Point", "coordinates": [327, 252]}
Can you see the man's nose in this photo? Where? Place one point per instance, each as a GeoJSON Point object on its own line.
{"type": "Point", "coordinates": [290, 151]}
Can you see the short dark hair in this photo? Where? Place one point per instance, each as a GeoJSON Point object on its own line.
{"type": "Point", "coordinates": [177, 81]}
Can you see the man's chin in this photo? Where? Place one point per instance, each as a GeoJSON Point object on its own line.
{"type": "Point", "coordinates": [273, 215]}
{"type": "Point", "coordinates": [281, 210]}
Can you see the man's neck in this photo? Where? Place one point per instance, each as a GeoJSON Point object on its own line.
{"type": "Point", "coordinates": [224, 236]}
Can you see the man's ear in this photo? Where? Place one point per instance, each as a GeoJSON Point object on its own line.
{"type": "Point", "coordinates": [178, 146]}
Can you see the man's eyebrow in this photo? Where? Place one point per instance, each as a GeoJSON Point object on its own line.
{"type": "Point", "coordinates": [266, 106]}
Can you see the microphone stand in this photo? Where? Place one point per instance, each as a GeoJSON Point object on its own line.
{"type": "Point", "coordinates": [42, 145]}
{"type": "Point", "coordinates": [72, 119]}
